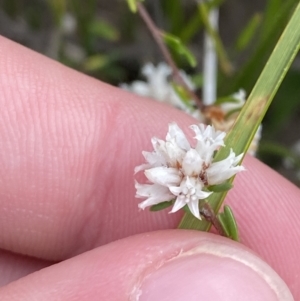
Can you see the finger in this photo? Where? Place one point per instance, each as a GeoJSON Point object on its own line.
{"type": "Point", "coordinates": [168, 265]}
{"type": "Point", "coordinates": [63, 189]}
{"type": "Point", "coordinates": [15, 266]}
{"type": "Point", "coordinates": [68, 148]}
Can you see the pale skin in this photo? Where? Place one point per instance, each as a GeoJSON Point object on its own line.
{"type": "Point", "coordinates": [68, 147]}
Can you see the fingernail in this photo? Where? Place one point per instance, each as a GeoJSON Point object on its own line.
{"type": "Point", "coordinates": [214, 272]}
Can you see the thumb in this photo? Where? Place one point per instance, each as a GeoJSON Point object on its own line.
{"type": "Point", "coordinates": [165, 265]}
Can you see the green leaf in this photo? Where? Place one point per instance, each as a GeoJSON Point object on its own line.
{"type": "Point", "coordinates": [183, 95]}
{"type": "Point", "coordinates": [96, 62]}
{"type": "Point", "coordinates": [222, 221]}
{"type": "Point", "coordinates": [248, 32]}
{"type": "Point", "coordinates": [273, 7]}
{"type": "Point", "coordinates": [58, 8]}
{"type": "Point", "coordinates": [84, 14]}
{"type": "Point", "coordinates": [285, 104]}
{"type": "Point", "coordinates": [268, 148]}
{"type": "Point", "coordinates": [132, 5]}
{"type": "Point", "coordinates": [214, 4]}
{"type": "Point", "coordinates": [191, 28]}
{"type": "Point", "coordinates": [176, 45]}
{"type": "Point", "coordinates": [221, 187]}
{"type": "Point", "coordinates": [197, 80]}
{"type": "Point", "coordinates": [174, 12]}
{"type": "Point", "coordinates": [226, 99]}
{"type": "Point", "coordinates": [252, 113]}
{"type": "Point", "coordinates": [228, 222]}
{"type": "Point", "coordinates": [161, 206]}
{"type": "Point", "coordinates": [248, 74]}
{"type": "Point", "coordinates": [103, 29]}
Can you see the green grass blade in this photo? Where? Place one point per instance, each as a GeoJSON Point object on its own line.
{"type": "Point", "coordinates": [248, 74]}
{"type": "Point", "coordinates": [239, 138]}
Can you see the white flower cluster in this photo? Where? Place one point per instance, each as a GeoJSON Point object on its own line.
{"type": "Point", "coordinates": [177, 171]}
{"type": "Point", "coordinates": [226, 124]}
{"type": "Point", "coordinates": [158, 86]}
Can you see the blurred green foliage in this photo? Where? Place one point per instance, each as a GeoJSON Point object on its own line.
{"type": "Point", "coordinates": [104, 39]}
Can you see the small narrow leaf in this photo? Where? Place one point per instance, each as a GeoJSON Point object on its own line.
{"type": "Point", "coordinates": [221, 187]}
{"type": "Point", "coordinates": [222, 221]}
{"type": "Point", "coordinates": [228, 222]}
{"type": "Point", "coordinates": [226, 99]}
{"type": "Point", "coordinates": [267, 148]}
{"type": "Point", "coordinates": [248, 32]}
{"type": "Point", "coordinates": [161, 206]}
{"type": "Point", "coordinates": [176, 45]}
{"type": "Point", "coordinates": [231, 222]}
{"type": "Point", "coordinates": [214, 4]}
{"type": "Point", "coordinates": [95, 62]}
{"type": "Point", "coordinates": [103, 29]}
{"type": "Point", "coordinates": [191, 28]}
{"type": "Point", "coordinates": [198, 80]}
{"type": "Point", "coordinates": [132, 5]}
{"type": "Point", "coordinates": [183, 95]}
{"type": "Point", "coordinates": [59, 9]}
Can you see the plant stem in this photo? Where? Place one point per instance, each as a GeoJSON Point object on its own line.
{"type": "Point", "coordinates": [211, 217]}
{"type": "Point", "coordinates": [159, 40]}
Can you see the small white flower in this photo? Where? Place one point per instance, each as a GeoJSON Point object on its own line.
{"type": "Point", "coordinates": [158, 86]}
{"type": "Point", "coordinates": [192, 163]}
{"type": "Point", "coordinates": [208, 140]}
{"type": "Point", "coordinates": [177, 171]}
{"type": "Point", "coordinates": [155, 194]}
{"type": "Point", "coordinates": [240, 99]}
{"type": "Point", "coordinates": [166, 176]}
{"type": "Point", "coordinates": [218, 172]}
{"type": "Point", "coordinates": [189, 193]}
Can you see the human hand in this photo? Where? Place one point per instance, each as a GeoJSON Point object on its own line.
{"type": "Point", "coordinates": [68, 147]}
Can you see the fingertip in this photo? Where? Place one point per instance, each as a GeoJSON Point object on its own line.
{"type": "Point", "coordinates": [214, 272]}
{"type": "Point", "coordinates": [69, 144]}
{"type": "Point", "coordinates": [165, 265]}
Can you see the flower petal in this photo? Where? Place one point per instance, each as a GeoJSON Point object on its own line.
{"type": "Point", "coordinates": [218, 172]}
{"type": "Point", "coordinates": [155, 194]}
{"type": "Point", "coordinates": [192, 163]}
{"type": "Point", "coordinates": [194, 208]}
{"type": "Point", "coordinates": [164, 176]}
{"type": "Point", "coordinates": [208, 141]}
{"type": "Point", "coordinates": [179, 203]}
{"type": "Point", "coordinates": [189, 193]}
{"type": "Point", "coordinates": [176, 134]}
{"type": "Point", "coordinates": [208, 134]}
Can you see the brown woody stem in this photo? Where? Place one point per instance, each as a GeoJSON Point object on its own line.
{"type": "Point", "coordinates": [156, 33]}
{"type": "Point", "coordinates": [207, 212]}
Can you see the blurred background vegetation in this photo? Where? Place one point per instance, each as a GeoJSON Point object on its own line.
{"type": "Point", "coordinates": [105, 40]}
